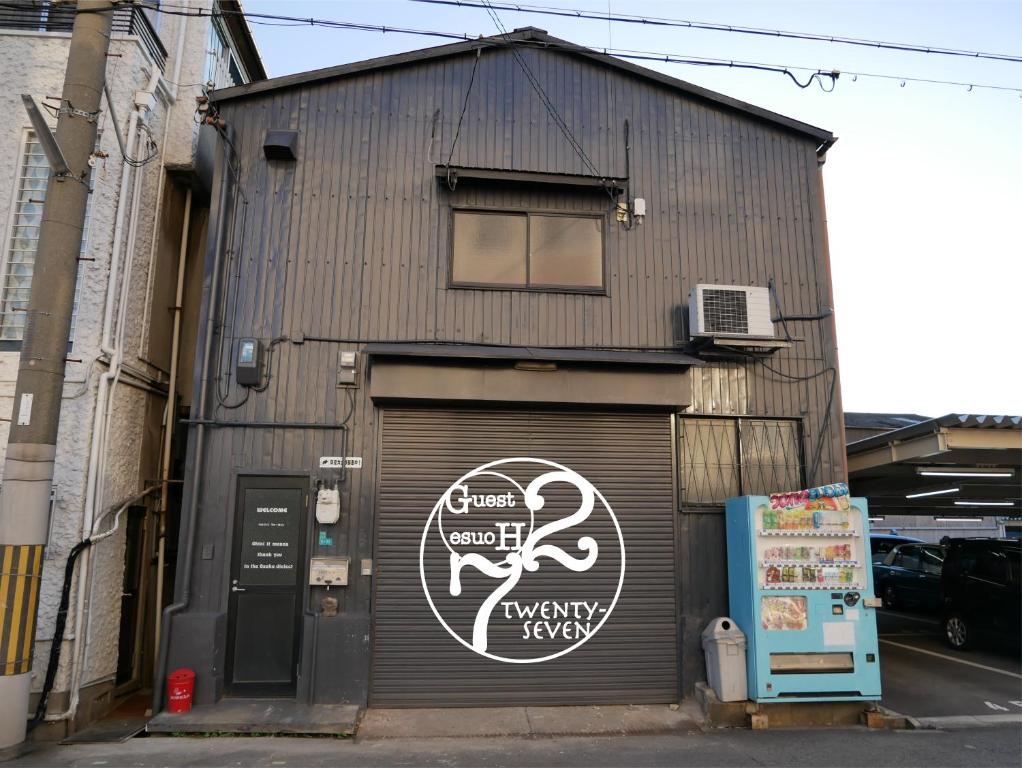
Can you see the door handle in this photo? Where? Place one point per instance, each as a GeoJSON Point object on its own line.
{"type": "Point", "coordinates": [236, 588]}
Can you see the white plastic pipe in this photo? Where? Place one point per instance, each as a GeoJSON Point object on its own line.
{"type": "Point", "coordinates": [111, 344]}
{"type": "Point", "coordinates": [81, 648]}
{"type": "Point", "coordinates": [96, 448]}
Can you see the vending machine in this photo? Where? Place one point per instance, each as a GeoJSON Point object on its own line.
{"type": "Point", "coordinates": [801, 589]}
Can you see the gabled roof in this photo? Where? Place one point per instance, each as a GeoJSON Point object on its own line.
{"type": "Point", "coordinates": [533, 38]}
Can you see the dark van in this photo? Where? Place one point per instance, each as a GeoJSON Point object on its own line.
{"type": "Point", "coordinates": [980, 585]}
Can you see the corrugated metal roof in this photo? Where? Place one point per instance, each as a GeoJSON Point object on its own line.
{"type": "Point", "coordinates": [551, 354]}
{"type": "Point", "coordinates": [859, 420]}
{"type": "Point", "coordinates": [980, 421]}
{"type": "Point", "coordinates": [953, 420]}
{"type": "Point", "coordinates": [534, 37]}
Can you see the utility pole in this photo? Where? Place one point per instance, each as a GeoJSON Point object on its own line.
{"type": "Point", "coordinates": [32, 442]}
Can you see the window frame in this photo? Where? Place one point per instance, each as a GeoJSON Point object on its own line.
{"type": "Point", "coordinates": [528, 213]}
{"type": "Point", "coordinates": [679, 470]}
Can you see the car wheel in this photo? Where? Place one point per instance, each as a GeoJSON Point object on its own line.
{"type": "Point", "coordinates": [890, 596]}
{"type": "Point", "coordinates": [956, 632]}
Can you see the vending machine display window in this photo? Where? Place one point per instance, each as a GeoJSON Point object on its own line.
{"type": "Point", "coordinates": [783, 613]}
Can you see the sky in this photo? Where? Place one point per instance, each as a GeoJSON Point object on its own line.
{"type": "Point", "coordinates": [924, 186]}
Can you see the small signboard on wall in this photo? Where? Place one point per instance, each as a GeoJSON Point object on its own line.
{"type": "Point", "coordinates": [269, 547]}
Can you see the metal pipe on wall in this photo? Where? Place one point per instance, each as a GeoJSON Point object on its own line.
{"type": "Point", "coordinates": [111, 344]}
{"type": "Point", "coordinates": [190, 512]}
{"type": "Point", "coordinates": [837, 406]}
{"type": "Point", "coordinates": [171, 418]}
{"type": "Point", "coordinates": [102, 402]}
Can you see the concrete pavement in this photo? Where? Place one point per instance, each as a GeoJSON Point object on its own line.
{"type": "Point", "coordinates": [924, 678]}
{"type": "Point", "coordinates": [992, 746]}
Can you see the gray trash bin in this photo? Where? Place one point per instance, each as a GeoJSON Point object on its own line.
{"type": "Point", "coordinates": [724, 644]}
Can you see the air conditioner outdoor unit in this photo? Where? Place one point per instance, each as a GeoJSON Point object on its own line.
{"type": "Point", "coordinates": [731, 311]}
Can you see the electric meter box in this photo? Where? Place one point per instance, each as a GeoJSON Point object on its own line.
{"type": "Point", "coordinates": [248, 370]}
{"type": "Point", "coordinates": [328, 506]}
{"type": "Point", "coordinates": [328, 571]}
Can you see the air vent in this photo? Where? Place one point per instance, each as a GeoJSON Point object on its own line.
{"type": "Point", "coordinates": [281, 144]}
{"type": "Point", "coordinates": [730, 311]}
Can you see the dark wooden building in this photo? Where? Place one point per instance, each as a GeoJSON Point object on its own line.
{"type": "Point", "coordinates": [455, 286]}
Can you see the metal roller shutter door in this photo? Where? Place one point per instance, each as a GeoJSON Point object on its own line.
{"type": "Point", "coordinates": [631, 658]}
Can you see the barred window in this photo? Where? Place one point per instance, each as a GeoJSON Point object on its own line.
{"type": "Point", "coordinates": [19, 259]}
{"type": "Point", "coordinates": [721, 457]}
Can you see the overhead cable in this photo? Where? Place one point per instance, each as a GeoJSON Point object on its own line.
{"type": "Point", "coordinates": [547, 103]}
{"type": "Point", "coordinates": [667, 58]}
{"type": "Point", "coordinates": [660, 21]}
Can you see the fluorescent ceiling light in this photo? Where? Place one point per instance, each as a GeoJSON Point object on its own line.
{"type": "Point", "coordinates": [943, 519]}
{"type": "Point", "coordinates": [931, 493]}
{"type": "Point", "coordinates": [963, 472]}
{"type": "Point", "coordinates": [876, 519]}
{"type": "Point", "coordinates": [984, 503]}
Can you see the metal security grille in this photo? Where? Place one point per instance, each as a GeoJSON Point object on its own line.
{"type": "Point", "coordinates": [725, 311]}
{"type": "Point", "coordinates": [632, 658]}
{"type": "Point", "coordinates": [724, 457]}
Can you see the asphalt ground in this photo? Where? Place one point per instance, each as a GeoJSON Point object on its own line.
{"type": "Point", "coordinates": [923, 677]}
{"type": "Point", "coordinates": [833, 748]}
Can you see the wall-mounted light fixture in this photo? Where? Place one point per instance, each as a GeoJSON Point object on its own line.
{"type": "Point", "coordinates": [534, 365]}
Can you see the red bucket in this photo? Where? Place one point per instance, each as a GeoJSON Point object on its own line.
{"type": "Point", "coordinates": [180, 687]}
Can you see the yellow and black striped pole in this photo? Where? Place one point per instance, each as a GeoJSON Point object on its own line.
{"type": "Point", "coordinates": [20, 570]}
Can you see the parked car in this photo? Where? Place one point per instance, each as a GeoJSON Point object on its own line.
{"type": "Point", "coordinates": [882, 543]}
{"type": "Point", "coordinates": [982, 599]}
{"type": "Point", "coordinates": [909, 576]}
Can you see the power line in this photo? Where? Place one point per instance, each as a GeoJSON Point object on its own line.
{"type": "Point", "coordinates": [624, 53]}
{"type": "Point", "coordinates": [659, 21]}
{"type": "Point", "coordinates": [547, 103]}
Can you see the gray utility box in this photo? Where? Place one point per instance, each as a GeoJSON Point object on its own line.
{"type": "Point", "coordinates": [724, 644]}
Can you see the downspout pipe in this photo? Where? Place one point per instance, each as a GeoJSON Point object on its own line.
{"type": "Point", "coordinates": [171, 90]}
{"type": "Point", "coordinates": [99, 419]}
{"type": "Point", "coordinates": [190, 521]}
{"type": "Point", "coordinates": [171, 418]}
{"type": "Point", "coordinates": [111, 345]}
{"type": "Point", "coordinates": [837, 406]}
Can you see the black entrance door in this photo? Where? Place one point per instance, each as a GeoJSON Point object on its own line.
{"type": "Point", "coordinates": [267, 570]}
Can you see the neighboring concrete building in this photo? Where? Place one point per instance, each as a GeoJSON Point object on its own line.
{"type": "Point", "coordinates": [957, 475]}
{"type": "Point", "coordinates": [509, 250]}
{"type": "Point", "coordinates": [113, 422]}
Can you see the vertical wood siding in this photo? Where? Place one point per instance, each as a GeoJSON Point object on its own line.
{"type": "Point", "coordinates": [351, 242]}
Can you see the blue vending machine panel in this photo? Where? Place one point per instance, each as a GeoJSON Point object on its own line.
{"type": "Point", "coordinates": [801, 589]}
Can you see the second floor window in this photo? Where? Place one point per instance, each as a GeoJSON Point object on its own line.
{"type": "Point", "coordinates": [517, 249]}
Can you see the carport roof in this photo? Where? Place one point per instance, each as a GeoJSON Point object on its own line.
{"type": "Point", "coordinates": [954, 452]}
{"type": "Point", "coordinates": [952, 420]}
{"type": "Point", "coordinates": [859, 420]}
